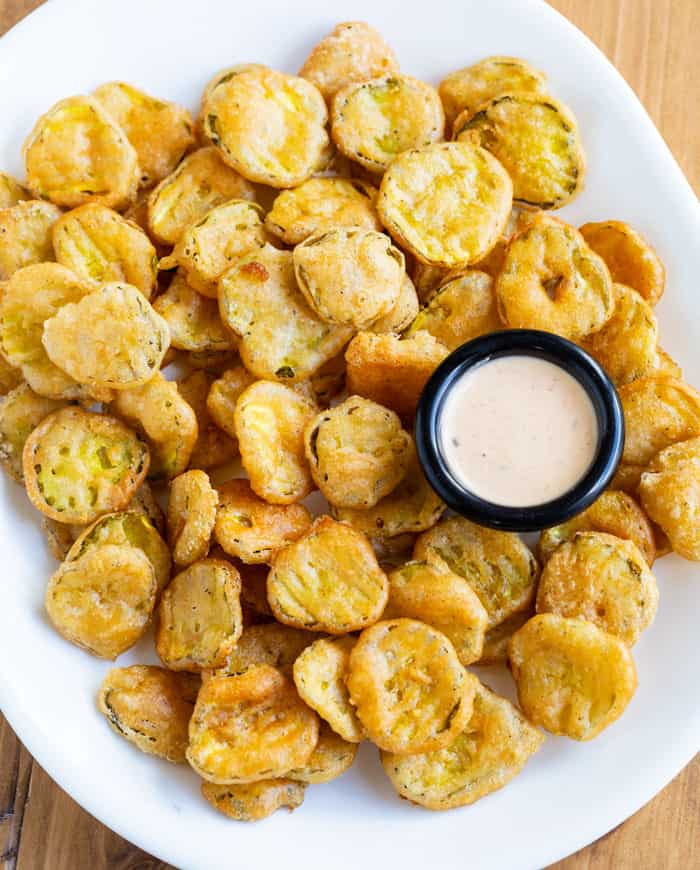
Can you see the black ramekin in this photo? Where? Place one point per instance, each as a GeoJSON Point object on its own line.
{"type": "Point", "coordinates": [521, 342]}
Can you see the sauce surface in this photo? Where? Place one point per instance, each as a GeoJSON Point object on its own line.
{"type": "Point", "coordinates": [518, 431]}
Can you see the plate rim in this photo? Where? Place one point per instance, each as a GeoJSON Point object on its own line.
{"type": "Point", "coordinates": [666, 764]}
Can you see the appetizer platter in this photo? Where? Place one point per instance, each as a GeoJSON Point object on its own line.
{"type": "Point", "coordinates": [232, 575]}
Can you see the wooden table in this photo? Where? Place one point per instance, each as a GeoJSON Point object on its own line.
{"type": "Point", "coordinates": [654, 44]}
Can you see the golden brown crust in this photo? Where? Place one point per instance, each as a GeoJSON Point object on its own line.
{"type": "Point", "coordinates": [253, 801]}
{"type": "Point", "coordinates": [76, 153]}
{"type": "Point", "coordinates": [250, 529]}
{"type": "Point", "coordinates": [446, 203]}
{"type": "Point", "coordinates": [602, 579]}
{"type": "Point", "coordinates": [99, 245]}
{"type": "Point", "coordinates": [270, 420]}
{"type": "Point", "coordinates": [199, 616]}
{"type": "Point", "coordinates": [79, 465]}
{"type": "Point", "coordinates": [374, 120]}
{"type": "Point", "coordinates": [353, 52]}
{"type": "Point", "coordinates": [670, 493]}
{"type": "Point", "coordinates": [552, 280]}
{"type": "Point", "coordinates": [150, 707]}
{"type": "Point", "coordinates": [408, 687]}
{"type": "Point", "coordinates": [490, 751]}
{"type": "Point", "coordinates": [357, 452]}
{"type": "Point", "coordinates": [392, 371]}
{"type": "Point", "coordinates": [160, 132]}
{"type": "Point", "coordinates": [249, 727]}
{"type": "Point", "coordinates": [536, 139]}
{"type": "Point", "coordinates": [329, 580]}
{"type": "Point", "coordinates": [500, 568]}
{"type": "Point", "coordinates": [573, 678]}
{"type": "Point", "coordinates": [103, 601]}
{"type": "Point", "coordinates": [192, 506]}
{"type": "Point", "coordinates": [269, 126]}
{"type": "Point", "coordinates": [630, 258]}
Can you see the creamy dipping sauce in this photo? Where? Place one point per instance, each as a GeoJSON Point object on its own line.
{"type": "Point", "coordinates": [518, 431]}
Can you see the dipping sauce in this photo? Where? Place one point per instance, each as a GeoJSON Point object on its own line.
{"type": "Point", "coordinates": [518, 431]}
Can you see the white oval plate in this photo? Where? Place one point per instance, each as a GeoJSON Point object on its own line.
{"type": "Point", "coordinates": [569, 793]}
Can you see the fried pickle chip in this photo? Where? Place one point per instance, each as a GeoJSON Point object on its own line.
{"type": "Point", "coordinates": [32, 296]}
{"type": "Point", "coordinates": [352, 52]}
{"type": "Point", "coordinates": [404, 312]}
{"type": "Point", "coordinates": [427, 279]}
{"type": "Point", "coordinates": [166, 420]}
{"type": "Point", "coordinates": [615, 513]}
{"type": "Point", "coordinates": [552, 280]}
{"type": "Point", "coordinates": [666, 366]}
{"type": "Point", "coordinates": [536, 139]}
{"type": "Point", "coordinates": [270, 420]}
{"type": "Point", "coordinates": [144, 502]}
{"type": "Point", "coordinates": [193, 320]}
{"type": "Point", "coordinates": [498, 566]}
{"type": "Point", "coordinates": [630, 259]}
{"type": "Point", "coordinates": [191, 516]}
{"type": "Point", "coordinates": [495, 651]}
{"type": "Point", "coordinates": [161, 132]}
{"type": "Point", "coordinates": [79, 465]}
{"type": "Point", "coordinates": [491, 750]}
{"type": "Point", "coordinates": [76, 153]}
{"type": "Point", "coordinates": [201, 182]}
{"type": "Point", "coordinates": [392, 371]}
{"type": "Point", "coordinates": [10, 377]}
{"type": "Point", "coordinates": [357, 452]}
{"type": "Point", "coordinates": [430, 592]}
{"type": "Point", "coordinates": [250, 726]}
{"type": "Point", "coordinates": [626, 345]}
{"type": "Point", "coordinates": [572, 677]}
{"type": "Point", "coordinates": [446, 203]}
{"type": "Point", "coordinates": [373, 121]}
{"type": "Point", "coordinates": [670, 493]}
{"type": "Point", "coordinates": [223, 395]}
{"type": "Point", "coordinates": [267, 125]}
{"type": "Point", "coordinates": [59, 537]}
{"type": "Point", "coordinates": [208, 247]}
{"type": "Point", "coordinates": [412, 507]}
{"type": "Point", "coordinates": [319, 204]}
{"type": "Point", "coordinates": [26, 229]}
{"type": "Point", "coordinates": [11, 191]}
{"type": "Point", "coordinates": [225, 75]}
{"type": "Point", "coordinates": [408, 687]}
{"type": "Point", "coordinates": [658, 411]}
{"type": "Point", "coordinates": [256, 609]}
{"type": "Point", "coordinates": [329, 580]}
{"type": "Point", "coordinates": [253, 801]}
{"type": "Point", "coordinates": [111, 338]}
{"type": "Point", "coordinates": [466, 89]}
{"type": "Point", "coordinates": [253, 530]}
{"type": "Point", "coordinates": [329, 760]}
{"type": "Point", "coordinates": [103, 601]}
{"type": "Point", "coordinates": [199, 616]}
{"type": "Point", "coordinates": [21, 411]}
{"type": "Point", "coordinates": [319, 675]}
{"type": "Point", "coordinates": [150, 707]}
{"type": "Point", "coordinates": [268, 644]}
{"type": "Point", "coordinates": [281, 337]}
{"type": "Point", "coordinates": [460, 310]}
{"type": "Point", "coordinates": [349, 276]}
{"type": "Point", "coordinates": [213, 447]}
{"type": "Point", "coordinates": [100, 245]}
{"type": "Point", "coordinates": [128, 529]}
{"type": "Point", "coordinates": [602, 579]}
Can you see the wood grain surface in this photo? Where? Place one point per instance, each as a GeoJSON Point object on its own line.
{"type": "Point", "coordinates": [654, 44]}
